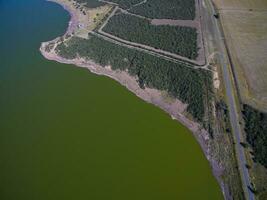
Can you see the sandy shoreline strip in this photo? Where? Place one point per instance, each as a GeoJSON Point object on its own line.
{"type": "Point", "coordinates": [174, 108]}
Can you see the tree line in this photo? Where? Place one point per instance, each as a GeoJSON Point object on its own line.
{"type": "Point", "coordinates": [166, 9]}
{"type": "Point", "coordinates": [125, 4]}
{"type": "Point", "coordinates": [90, 3]}
{"type": "Point", "coordinates": [256, 133]}
{"type": "Point", "coordinates": [160, 9]}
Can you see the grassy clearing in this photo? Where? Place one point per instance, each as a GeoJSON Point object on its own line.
{"type": "Point", "coordinates": [86, 19]}
{"type": "Point", "coordinates": [246, 37]}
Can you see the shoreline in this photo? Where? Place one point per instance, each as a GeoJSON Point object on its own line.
{"type": "Point", "coordinates": [73, 22]}
{"type": "Point", "coordinates": [174, 108]}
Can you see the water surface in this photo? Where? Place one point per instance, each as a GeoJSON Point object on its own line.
{"type": "Point", "coordinates": [68, 134]}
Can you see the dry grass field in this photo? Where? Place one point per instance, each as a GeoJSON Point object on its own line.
{"type": "Point", "coordinates": [245, 28]}
{"type": "Point", "coordinates": [84, 19]}
{"type": "Point", "coordinates": [241, 4]}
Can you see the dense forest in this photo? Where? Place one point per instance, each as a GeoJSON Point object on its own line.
{"type": "Point", "coordinates": [154, 9]}
{"type": "Point", "coordinates": [166, 9]}
{"type": "Point", "coordinates": [175, 39]}
{"type": "Point", "coordinates": [125, 4]}
{"type": "Point", "coordinates": [256, 131]}
{"type": "Point", "coordinates": [160, 9]}
{"type": "Point", "coordinates": [188, 85]}
{"type": "Point", "coordinates": [91, 3]}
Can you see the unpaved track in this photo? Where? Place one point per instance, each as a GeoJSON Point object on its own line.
{"type": "Point", "coordinates": [148, 49]}
{"type": "Point", "coordinates": [178, 61]}
{"type": "Point", "coordinates": [200, 60]}
{"type": "Point", "coordinates": [160, 51]}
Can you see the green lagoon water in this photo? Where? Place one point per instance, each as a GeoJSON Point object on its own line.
{"type": "Point", "coordinates": [67, 134]}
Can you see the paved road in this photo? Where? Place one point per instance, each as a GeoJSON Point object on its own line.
{"type": "Point", "coordinates": [233, 111]}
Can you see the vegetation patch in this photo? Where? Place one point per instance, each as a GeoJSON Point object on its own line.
{"type": "Point", "coordinates": [125, 4]}
{"type": "Point", "coordinates": [256, 130]}
{"type": "Point", "coordinates": [174, 39]}
{"type": "Point", "coordinates": [166, 9]}
{"type": "Point", "coordinates": [91, 3]}
{"type": "Point", "coordinates": [188, 85]}
{"type": "Point", "coordinates": [160, 9]}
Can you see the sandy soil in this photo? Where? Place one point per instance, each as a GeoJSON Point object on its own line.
{"type": "Point", "coordinates": [74, 22]}
{"type": "Point", "coordinates": [83, 19]}
{"type": "Point", "coordinates": [174, 107]}
{"type": "Point", "coordinates": [172, 22]}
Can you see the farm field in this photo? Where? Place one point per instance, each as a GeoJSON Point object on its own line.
{"type": "Point", "coordinates": [241, 4]}
{"type": "Point", "coordinates": [245, 27]}
{"type": "Point", "coordinates": [247, 41]}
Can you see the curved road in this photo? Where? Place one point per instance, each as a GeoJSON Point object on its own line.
{"type": "Point", "coordinates": [233, 111]}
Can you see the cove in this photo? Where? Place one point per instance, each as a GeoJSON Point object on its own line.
{"type": "Point", "coordinates": [66, 133]}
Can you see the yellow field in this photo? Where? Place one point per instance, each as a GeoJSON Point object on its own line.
{"type": "Point", "coordinates": [245, 28]}
{"type": "Point", "coordinates": [241, 4]}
